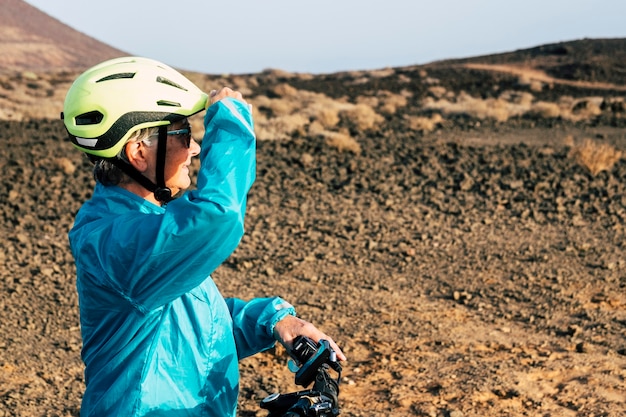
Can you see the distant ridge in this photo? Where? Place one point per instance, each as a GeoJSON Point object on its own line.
{"type": "Point", "coordinates": [590, 60]}
{"type": "Point", "coordinates": [31, 40]}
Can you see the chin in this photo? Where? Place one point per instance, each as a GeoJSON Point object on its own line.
{"type": "Point", "coordinates": [183, 184]}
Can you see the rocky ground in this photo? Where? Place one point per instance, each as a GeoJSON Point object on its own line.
{"type": "Point", "coordinates": [465, 273]}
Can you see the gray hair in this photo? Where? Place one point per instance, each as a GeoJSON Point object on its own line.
{"type": "Point", "coordinates": [106, 173]}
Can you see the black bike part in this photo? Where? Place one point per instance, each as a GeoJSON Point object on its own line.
{"type": "Point", "coordinates": [303, 349]}
{"type": "Point", "coordinates": [329, 389]}
{"type": "Point", "coordinates": [320, 401]}
{"type": "Point", "coordinates": [283, 402]}
{"type": "Point", "coordinates": [306, 374]}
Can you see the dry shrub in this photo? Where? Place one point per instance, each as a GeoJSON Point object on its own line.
{"type": "Point", "coordinates": [371, 101]}
{"type": "Point", "coordinates": [305, 76]}
{"type": "Point", "coordinates": [566, 102]}
{"type": "Point", "coordinates": [424, 124]}
{"type": "Point", "coordinates": [382, 73]}
{"type": "Point", "coordinates": [536, 86]}
{"type": "Point", "coordinates": [253, 81]}
{"type": "Point", "coordinates": [328, 117]}
{"type": "Point", "coordinates": [363, 116]}
{"type": "Point", "coordinates": [242, 84]}
{"type": "Point", "coordinates": [29, 75]}
{"type": "Point", "coordinates": [277, 107]}
{"type": "Point", "coordinates": [522, 98]}
{"type": "Point", "coordinates": [281, 128]}
{"type": "Point", "coordinates": [285, 90]}
{"type": "Point", "coordinates": [497, 109]}
{"type": "Point", "coordinates": [386, 101]}
{"type": "Point", "coordinates": [261, 101]}
{"type": "Point", "coordinates": [569, 141]}
{"type": "Point", "coordinates": [594, 156]}
{"type": "Point", "coordinates": [490, 108]}
{"type": "Point", "coordinates": [546, 110]}
{"type": "Point", "coordinates": [514, 103]}
{"type": "Point", "coordinates": [391, 102]}
{"type": "Point", "coordinates": [528, 81]}
{"type": "Point", "coordinates": [301, 111]}
{"type": "Point", "coordinates": [279, 118]}
{"type": "Point", "coordinates": [318, 103]}
{"type": "Point", "coordinates": [431, 81]}
{"type": "Point", "coordinates": [403, 78]}
{"type": "Point", "coordinates": [316, 128]}
{"type": "Point", "coordinates": [523, 80]}
{"type": "Point", "coordinates": [355, 74]}
{"type": "Point", "coordinates": [307, 159]}
{"type": "Point", "coordinates": [281, 107]}
{"type": "Point", "coordinates": [437, 91]}
{"type": "Point", "coordinates": [587, 108]}
{"type": "Point", "coordinates": [569, 108]}
{"type": "Point", "coordinates": [274, 73]}
{"type": "Point", "coordinates": [66, 165]}
{"type": "Point", "coordinates": [342, 142]}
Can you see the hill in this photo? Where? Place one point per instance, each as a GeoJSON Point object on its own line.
{"type": "Point", "coordinates": [31, 40]}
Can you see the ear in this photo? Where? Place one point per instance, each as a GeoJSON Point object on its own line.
{"type": "Point", "coordinates": [137, 154]}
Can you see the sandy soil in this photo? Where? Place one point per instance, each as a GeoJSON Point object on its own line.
{"type": "Point", "coordinates": [462, 278]}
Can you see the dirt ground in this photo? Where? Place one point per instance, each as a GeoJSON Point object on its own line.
{"type": "Point", "coordinates": [466, 273]}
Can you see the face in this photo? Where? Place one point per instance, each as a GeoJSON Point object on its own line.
{"type": "Point", "coordinates": [180, 149]}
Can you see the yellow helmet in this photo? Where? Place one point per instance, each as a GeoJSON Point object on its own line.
{"type": "Point", "coordinates": [111, 100]}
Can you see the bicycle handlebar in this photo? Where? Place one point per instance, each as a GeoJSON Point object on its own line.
{"type": "Point", "coordinates": [315, 360]}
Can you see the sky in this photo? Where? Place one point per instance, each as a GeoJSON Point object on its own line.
{"type": "Point", "coordinates": [324, 36]}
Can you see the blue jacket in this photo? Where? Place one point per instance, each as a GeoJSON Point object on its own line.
{"type": "Point", "coordinates": [158, 337]}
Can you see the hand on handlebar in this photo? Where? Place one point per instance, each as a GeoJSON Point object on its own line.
{"type": "Point", "coordinates": [290, 327]}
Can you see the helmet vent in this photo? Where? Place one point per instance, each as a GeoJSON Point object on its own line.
{"type": "Point", "coordinates": [168, 103]}
{"type": "Point", "coordinates": [170, 83]}
{"type": "Point", "coordinates": [118, 76]}
{"type": "Point", "coordinates": [91, 118]}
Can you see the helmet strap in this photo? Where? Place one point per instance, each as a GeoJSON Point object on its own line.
{"type": "Point", "coordinates": [161, 192]}
{"type": "Point", "coordinates": [129, 170]}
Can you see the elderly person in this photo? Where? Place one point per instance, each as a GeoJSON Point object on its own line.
{"type": "Point", "coordinates": [158, 337]}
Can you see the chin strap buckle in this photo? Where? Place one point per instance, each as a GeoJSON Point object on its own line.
{"type": "Point", "coordinates": [163, 194]}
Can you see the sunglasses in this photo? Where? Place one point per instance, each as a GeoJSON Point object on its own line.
{"type": "Point", "coordinates": [185, 133]}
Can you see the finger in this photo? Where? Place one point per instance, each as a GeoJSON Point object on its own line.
{"type": "Point", "coordinates": [217, 95]}
{"type": "Point", "coordinates": [337, 350]}
{"type": "Point", "coordinates": [210, 101]}
{"type": "Point", "coordinates": [333, 345]}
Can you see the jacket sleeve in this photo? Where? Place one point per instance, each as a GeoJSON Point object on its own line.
{"type": "Point", "coordinates": [155, 258]}
{"type": "Point", "coordinates": [254, 321]}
